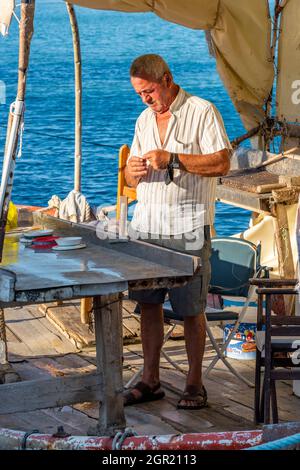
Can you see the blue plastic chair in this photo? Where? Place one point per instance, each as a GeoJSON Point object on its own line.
{"type": "Point", "coordinates": [234, 262]}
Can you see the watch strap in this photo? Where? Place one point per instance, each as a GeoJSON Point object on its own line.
{"type": "Point", "coordinates": [174, 160]}
{"type": "Point", "coordinates": [173, 164]}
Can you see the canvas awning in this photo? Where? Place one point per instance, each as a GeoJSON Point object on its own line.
{"type": "Point", "coordinates": [288, 85]}
{"type": "Point", "coordinates": [6, 11]}
{"type": "Point", "coordinates": [240, 32]}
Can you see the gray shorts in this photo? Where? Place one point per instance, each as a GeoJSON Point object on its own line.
{"type": "Point", "coordinates": [190, 299]}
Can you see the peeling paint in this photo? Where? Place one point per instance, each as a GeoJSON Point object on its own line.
{"type": "Point", "coordinates": [10, 439]}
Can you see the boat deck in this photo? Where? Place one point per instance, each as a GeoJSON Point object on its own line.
{"type": "Point", "coordinates": [38, 349]}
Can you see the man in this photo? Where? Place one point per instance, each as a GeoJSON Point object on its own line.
{"type": "Point", "coordinates": [179, 147]}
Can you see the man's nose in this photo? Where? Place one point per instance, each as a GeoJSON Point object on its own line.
{"type": "Point", "coordinates": [146, 98]}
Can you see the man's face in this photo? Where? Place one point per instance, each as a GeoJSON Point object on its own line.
{"type": "Point", "coordinates": [153, 94]}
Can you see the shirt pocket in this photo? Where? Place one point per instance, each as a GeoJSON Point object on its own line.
{"type": "Point", "coordinates": [185, 141]}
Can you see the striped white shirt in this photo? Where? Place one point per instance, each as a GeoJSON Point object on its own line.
{"type": "Point", "coordinates": [195, 127]}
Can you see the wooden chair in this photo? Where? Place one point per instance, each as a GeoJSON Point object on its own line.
{"type": "Point", "coordinates": [278, 343]}
{"type": "Point", "coordinates": [125, 194]}
{"type": "Point", "coordinates": [124, 191]}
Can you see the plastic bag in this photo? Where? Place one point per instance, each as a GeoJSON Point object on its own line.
{"type": "Point", "coordinates": [12, 217]}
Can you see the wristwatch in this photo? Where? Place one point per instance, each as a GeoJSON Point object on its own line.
{"type": "Point", "coordinates": [174, 161]}
{"type": "Point", "coordinates": [174, 164]}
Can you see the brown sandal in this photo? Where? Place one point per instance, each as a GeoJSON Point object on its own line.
{"type": "Point", "coordinates": [147, 394]}
{"type": "Point", "coordinates": [192, 394]}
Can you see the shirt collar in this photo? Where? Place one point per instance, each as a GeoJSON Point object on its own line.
{"type": "Point", "coordinates": [177, 103]}
{"type": "Point", "coordinates": [179, 100]}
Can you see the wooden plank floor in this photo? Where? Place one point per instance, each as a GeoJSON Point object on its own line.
{"type": "Point", "coordinates": [38, 349]}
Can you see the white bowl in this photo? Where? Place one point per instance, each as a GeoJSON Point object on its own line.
{"type": "Point", "coordinates": [37, 233]}
{"type": "Point", "coordinates": [66, 241]}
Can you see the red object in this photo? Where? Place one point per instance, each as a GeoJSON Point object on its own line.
{"type": "Point", "coordinates": [43, 243]}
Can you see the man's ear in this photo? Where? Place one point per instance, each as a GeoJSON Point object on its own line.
{"type": "Point", "coordinates": [168, 79]}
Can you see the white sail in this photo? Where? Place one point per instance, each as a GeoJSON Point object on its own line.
{"type": "Point", "coordinates": [240, 31]}
{"type": "Point", "coordinates": [6, 11]}
{"type": "Point", "coordinates": [288, 85]}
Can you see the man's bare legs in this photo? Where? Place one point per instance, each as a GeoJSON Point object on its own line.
{"type": "Point", "coordinates": [152, 333]}
{"type": "Point", "coordinates": [195, 334]}
{"type": "Point", "coordinates": [152, 339]}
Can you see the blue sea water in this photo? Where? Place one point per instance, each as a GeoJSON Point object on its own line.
{"type": "Point", "coordinates": [109, 42]}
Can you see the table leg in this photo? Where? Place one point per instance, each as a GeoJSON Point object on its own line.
{"type": "Point", "coordinates": [109, 350]}
{"type": "Point", "coordinates": [284, 249]}
{"type": "Point", "coordinates": [7, 373]}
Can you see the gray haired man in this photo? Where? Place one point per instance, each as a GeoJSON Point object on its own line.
{"type": "Point", "coordinates": [179, 148]}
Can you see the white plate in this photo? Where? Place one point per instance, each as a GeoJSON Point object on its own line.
{"type": "Point", "coordinates": [26, 241]}
{"type": "Point", "coordinates": [68, 247]}
{"type": "Point", "coordinates": [37, 233]}
{"type": "Point", "coordinates": [69, 241]}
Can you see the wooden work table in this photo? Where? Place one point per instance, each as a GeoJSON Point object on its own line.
{"type": "Point", "coordinates": [248, 188]}
{"type": "Point", "coordinates": [264, 192]}
{"type": "Point", "coordinates": [102, 270]}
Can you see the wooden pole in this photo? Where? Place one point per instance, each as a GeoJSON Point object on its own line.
{"type": "Point", "coordinates": [282, 198]}
{"type": "Point", "coordinates": [236, 142]}
{"type": "Point", "coordinates": [26, 33]}
{"type": "Point", "coordinates": [283, 242]}
{"type": "Point", "coordinates": [14, 121]}
{"type": "Point", "coordinates": [78, 97]}
{"type": "Point", "coordinates": [25, 36]}
{"type": "Point", "coordinates": [280, 156]}
{"type": "Point", "coordinates": [86, 305]}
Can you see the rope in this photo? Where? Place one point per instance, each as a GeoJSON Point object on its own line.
{"type": "Point", "coordinates": [25, 437]}
{"type": "Point", "coordinates": [22, 126]}
{"type": "Point", "coordinates": [2, 326]}
{"type": "Point", "coordinates": [283, 443]}
{"type": "Point", "coordinates": [3, 347]}
{"type": "Point", "coordinates": [99, 307]}
{"type": "Point", "coordinates": [91, 323]}
{"type": "Point", "coordinates": [120, 438]}
{"type": "Point", "coordinates": [87, 214]}
{"type": "Point", "coordinates": [284, 231]}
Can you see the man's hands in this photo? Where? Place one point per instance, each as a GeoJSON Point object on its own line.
{"type": "Point", "coordinates": [210, 165]}
{"type": "Point", "coordinates": [158, 159]}
{"type": "Point", "coordinates": [137, 167]}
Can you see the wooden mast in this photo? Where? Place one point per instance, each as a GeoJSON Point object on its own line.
{"type": "Point", "coordinates": [78, 96]}
{"type": "Point", "coordinates": [16, 115]}
{"type": "Point", "coordinates": [86, 303]}
{"type": "Point", "coordinates": [11, 144]}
